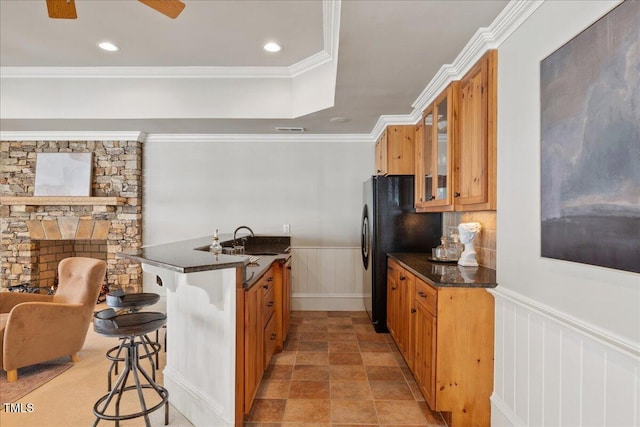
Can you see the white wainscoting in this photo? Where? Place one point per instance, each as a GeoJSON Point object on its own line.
{"type": "Point", "coordinates": [328, 278]}
{"type": "Point", "coordinates": [554, 370]}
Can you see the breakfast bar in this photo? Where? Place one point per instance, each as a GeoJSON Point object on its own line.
{"type": "Point", "coordinates": [206, 314]}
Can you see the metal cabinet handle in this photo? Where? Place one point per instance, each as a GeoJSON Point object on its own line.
{"type": "Point", "coordinates": [273, 337]}
{"type": "Point", "coordinates": [422, 294]}
{"type": "Point", "coordinates": [393, 288]}
{"type": "Point", "coordinates": [456, 194]}
{"type": "Point", "coordinates": [270, 304]}
{"type": "Point", "coordinates": [403, 278]}
{"type": "Point", "coordinates": [413, 310]}
{"type": "Point", "coordinates": [431, 198]}
{"type": "Point", "coordinates": [265, 286]}
{"type": "Point", "coordinates": [270, 279]}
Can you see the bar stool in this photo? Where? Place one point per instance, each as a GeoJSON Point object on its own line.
{"type": "Point", "coordinates": [132, 303]}
{"type": "Point", "coordinates": [129, 328]}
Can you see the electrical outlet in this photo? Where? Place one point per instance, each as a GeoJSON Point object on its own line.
{"type": "Point", "coordinates": [286, 228]}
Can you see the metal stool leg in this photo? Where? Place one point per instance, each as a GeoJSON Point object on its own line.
{"type": "Point", "coordinates": [133, 367]}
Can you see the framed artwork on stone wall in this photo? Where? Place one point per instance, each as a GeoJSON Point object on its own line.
{"type": "Point", "coordinates": [63, 174]}
{"type": "Point", "coordinates": [590, 144]}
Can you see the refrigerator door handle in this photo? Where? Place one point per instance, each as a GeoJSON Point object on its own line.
{"type": "Point", "coordinates": [365, 240]}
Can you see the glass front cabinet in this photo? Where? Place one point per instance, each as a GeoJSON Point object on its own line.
{"type": "Point", "coordinates": [434, 153]}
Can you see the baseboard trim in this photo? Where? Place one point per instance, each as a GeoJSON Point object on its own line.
{"type": "Point", "coordinates": [501, 415]}
{"type": "Point", "coordinates": [327, 302]}
{"type": "Point", "coordinates": [199, 409]}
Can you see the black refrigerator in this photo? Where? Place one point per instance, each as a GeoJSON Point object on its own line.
{"type": "Point", "coordinates": [391, 224]}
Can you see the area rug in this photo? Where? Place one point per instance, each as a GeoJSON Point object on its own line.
{"type": "Point", "coordinates": [29, 379]}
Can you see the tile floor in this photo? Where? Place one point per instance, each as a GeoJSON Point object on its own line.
{"type": "Point", "coordinates": [337, 371]}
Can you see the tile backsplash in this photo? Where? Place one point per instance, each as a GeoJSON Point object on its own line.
{"type": "Point", "coordinates": [485, 243]}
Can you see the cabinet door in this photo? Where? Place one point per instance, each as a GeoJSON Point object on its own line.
{"type": "Point", "coordinates": [286, 299]}
{"type": "Point", "coordinates": [475, 147]}
{"type": "Point", "coordinates": [400, 150]}
{"type": "Point", "coordinates": [419, 168]}
{"type": "Point", "coordinates": [253, 343]}
{"type": "Point", "coordinates": [270, 340]}
{"type": "Point", "coordinates": [436, 169]}
{"type": "Point", "coordinates": [393, 299]}
{"type": "Point", "coordinates": [381, 154]}
{"type": "Point", "coordinates": [406, 285]}
{"type": "Point", "coordinates": [424, 366]}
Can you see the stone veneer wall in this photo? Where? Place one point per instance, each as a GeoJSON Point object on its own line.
{"type": "Point", "coordinates": [117, 172]}
{"type": "Point", "coordinates": [485, 243]}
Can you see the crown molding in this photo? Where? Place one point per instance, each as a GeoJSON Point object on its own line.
{"type": "Point", "coordinates": [511, 17]}
{"type": "Point", "coordinates": [387, 120]}
{"type": "Point", "coordinates": [252, 138]}
{"type": "Point", "coordinates": [72, 136]}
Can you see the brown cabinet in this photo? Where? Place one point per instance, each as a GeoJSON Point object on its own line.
{"type": "Point", "coordinates": [399, 307]}
{"type": "Point", "coordinates": [434, 154]}
{"type": "Point", "coordinates": [286, 298]}
{"type": "Point", "coordinates": [267, 313]}
{"type": "Point", "coordinates": [253, 343]}
{"type": "Point", "coordinates": [424, 362]}
{"type": "Point", "coordinates": [475, 165]}
{"type": "Point", "coordinates": [394, 152]}
{"type": "Point", "coordinates": [451, 350]}
{"type": "Point", "coordinates": [456, 144]}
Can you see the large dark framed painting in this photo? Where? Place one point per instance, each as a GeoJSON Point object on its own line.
{"type": "Point", "coordinates": [590, 144]}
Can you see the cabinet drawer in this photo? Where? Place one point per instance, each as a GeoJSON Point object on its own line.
{"type": "Point", "coordinates": [270, 340]}
{"type": "Point", "coordinates": [426, 296]}
{"type": "Point", "coordinates": [268, 305]}
{"type": "Point", "coordinates": [266, 281]}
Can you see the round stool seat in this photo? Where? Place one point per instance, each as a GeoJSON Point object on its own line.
{"type": "Point", "coordinates": [131, 328]}
{"type": "Point", "coordinates": [120, 300]}
{"type": "Point", "coordinates": [122, 325]}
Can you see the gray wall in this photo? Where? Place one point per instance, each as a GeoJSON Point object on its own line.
{"type": "Point", "coordinates": [191, 188]}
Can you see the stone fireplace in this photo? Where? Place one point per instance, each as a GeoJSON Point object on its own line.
{"type": "Point", "coordinates": [37, 232]}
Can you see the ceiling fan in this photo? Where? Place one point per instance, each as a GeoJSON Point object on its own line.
{"type": "Point", "coordinates": [66, 9]}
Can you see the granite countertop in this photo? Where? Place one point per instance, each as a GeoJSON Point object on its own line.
{"type": "Point", "coordinates": [191, 256]}
{"type": "Point", "coordinates": [444, 274]}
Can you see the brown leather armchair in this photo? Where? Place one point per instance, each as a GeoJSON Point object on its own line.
{"type": "Point", "coordinates": [37, 328]}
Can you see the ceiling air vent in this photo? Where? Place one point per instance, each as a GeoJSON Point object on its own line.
{"type": "Point", "coordinates": [289, 129]}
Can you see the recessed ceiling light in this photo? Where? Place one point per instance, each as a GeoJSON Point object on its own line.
{"type": "Point", "coordinates": [108, 46]}
{"type": "Point", "coordinates": [339, 119]}
{"type": "Point", "coordinates": [272, 47]}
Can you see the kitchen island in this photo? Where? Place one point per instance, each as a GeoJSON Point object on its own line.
{"type": "Point", "coordinates": [208, 356]}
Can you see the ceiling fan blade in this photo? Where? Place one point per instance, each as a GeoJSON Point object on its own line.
{"type": "Point", "coordinates": [62, 9]}
{"type": "Point", "coordinates": [170, 8]}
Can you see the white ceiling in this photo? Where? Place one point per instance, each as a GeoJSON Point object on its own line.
{"type": "Point", "coordinates": [388, 51]}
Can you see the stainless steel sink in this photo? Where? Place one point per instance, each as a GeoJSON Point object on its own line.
{"type": "Point", "coordinates": [255, 245]}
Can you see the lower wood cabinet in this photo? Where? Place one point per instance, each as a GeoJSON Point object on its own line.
{"type": "Point", "coordinates": [400, 302]}
{"type": "Point", "coordinates": [450, 348]}
{"type": "Point", "coordinates": [267, 312]}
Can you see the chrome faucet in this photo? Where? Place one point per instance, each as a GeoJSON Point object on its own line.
{"type": "Point", "coordinates": [236, 232]}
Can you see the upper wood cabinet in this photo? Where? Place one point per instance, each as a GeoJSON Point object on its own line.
{"type": "Point", "coordinates": [395, 151]}
{"type": "Point", "coordinates": [475, 154]}
{"type": "Point", "coordinates": [456, 144]}
{"type": "Point", "coordinates": [434, 153]}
